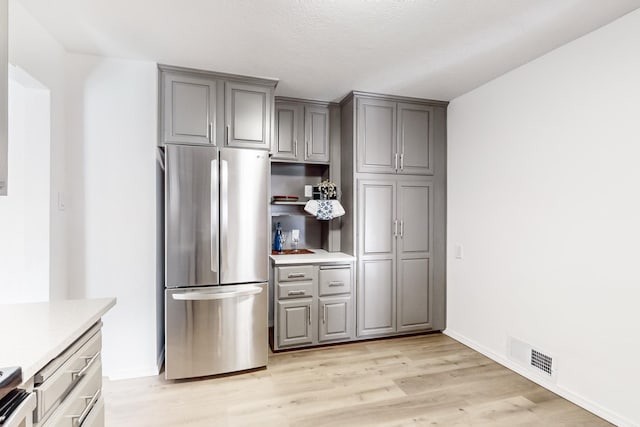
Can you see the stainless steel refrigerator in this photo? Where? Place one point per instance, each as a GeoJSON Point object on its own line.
{"type": "Point", "coordinates": [216, 260]}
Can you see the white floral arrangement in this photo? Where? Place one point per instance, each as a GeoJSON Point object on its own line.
{"type": "Point", "coordinates": [328, 189]}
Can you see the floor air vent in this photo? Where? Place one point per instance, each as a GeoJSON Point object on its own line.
{"type": "Point", "coordinates": [541, 361]}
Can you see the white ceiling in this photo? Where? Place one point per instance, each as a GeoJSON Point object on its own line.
{"type": "Point", "coordinates": [322, 49]}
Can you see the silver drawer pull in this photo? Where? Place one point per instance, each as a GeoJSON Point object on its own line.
{"type": "Point", "coordinates": [336, 283]}
{"type": "Point", "coordinates": [335, 267]}
{"type": "Point", "coordinates": [295, 275]}
{"type": "Point", "coordinates": [78, 420]}
{"type": "Point", "coordinates": [81, 372]}
{"type": "Point", "coordinates": [291, 293]}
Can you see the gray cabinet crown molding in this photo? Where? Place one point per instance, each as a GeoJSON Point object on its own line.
{"type": "Point", "coordinates": [271, 82]}
{"type": "Point", "coordinates": [395, 98]}
{"type": "Point", "coordinates": [306, 101]}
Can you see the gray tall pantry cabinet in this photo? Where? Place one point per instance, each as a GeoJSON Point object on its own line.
{"type": "Point", "coordinates": [393, 170]}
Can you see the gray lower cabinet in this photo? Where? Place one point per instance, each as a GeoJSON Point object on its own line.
{"type": "Point", "coordinates": [296, 322]}
{"type": "Point", "coordinates": [188, 106]}
{"type": "Point", "coordinates": [394, 274]}
{"type": "Point", "coordinates": [394, 137]}
{"type": "Point", "coordinates": [314, 304]}
{"type": "Point", "coordinates": [247, 112]}
{"type": "Point", "coordinates": [335, 318]}
{"type": "Point", "coordinates": [302, 131]}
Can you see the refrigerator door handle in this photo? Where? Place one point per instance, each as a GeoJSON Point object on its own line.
{"type": "Point", "coordinates": [224, 210]}
{"type": "Point", "coordinates": [217, 294]}
{"type": "Point", "coordinates": [214, 216]}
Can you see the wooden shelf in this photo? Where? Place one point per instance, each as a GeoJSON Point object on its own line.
{"type": "Point", "coordinates": [276, 202]}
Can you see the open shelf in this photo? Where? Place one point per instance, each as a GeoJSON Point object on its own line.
{"type": "Point", "coordinates": [276, 202]}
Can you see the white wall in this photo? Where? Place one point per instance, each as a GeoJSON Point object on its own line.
{"type": "Point", "coordinates": [543, 195]}
{"type": "Point", "coordinates": [33, 49]}
{"type": "Point", "coordinates": [111, 157]}
{"type": "Point", "coordinates": [24, 212]}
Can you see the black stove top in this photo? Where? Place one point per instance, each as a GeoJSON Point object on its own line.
{"type": "Point", "coordinates": [10, 378]}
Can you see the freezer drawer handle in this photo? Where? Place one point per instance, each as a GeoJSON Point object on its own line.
{"type": "Point", "coordinates": [213, 295]}
{"type": "Point", "coordinates": [78, 420]}
{"type": "Point", "coordinates": [81, 372]}
{"type": "Point", "coordinates": [295, 275]}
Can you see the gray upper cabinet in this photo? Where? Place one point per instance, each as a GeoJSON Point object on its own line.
{"type": "Point", "coordinates": [205, 107]}
{"type": "Point", "coordinates": [247, 115]}
{"type": "Point", "coordinates": [376, 136]}
{"type": "Point", "coordinates": [394, 137]}
{"type": "Point", "coordinates": [188, 109]}
{"type": "Point", "coordinates": [302, 131]}
{"type": "Point", "coordinates": [316, 124]}
{"type": "Point", "coordinates": [289, 131]}
{"type": "Point", "coordinates": [415, 136]}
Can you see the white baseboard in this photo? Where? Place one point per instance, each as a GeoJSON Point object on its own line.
{"type": "Point", "coordinates": [585, 403]}
{"type": "Point", "coordinates": [132, 373]}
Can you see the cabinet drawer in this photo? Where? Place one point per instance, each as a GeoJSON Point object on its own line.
{"type": "Point", "coordinates": [78, 405]}
{"type": "Point", "coordinates": [54, 389]}
{"type": "Point", "coordinates": [295, 289]}
{"type": "Point", "coordinates": [96, 416]}
{"type": "Point", "coordinates": [334, 280]}
{"type": "Point", "coordinates": [295, 273]}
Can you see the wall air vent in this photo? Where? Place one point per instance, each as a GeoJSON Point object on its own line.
{"type": "Point", "coordinates": [534, 360]}
{"type": "Point", "coordinates": [541, 361]}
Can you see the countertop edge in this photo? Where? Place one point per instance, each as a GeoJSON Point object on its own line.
{"type": "Point", "coordinates": [51, 353]}
{"type": "Point", "coordinates": [318, 257]}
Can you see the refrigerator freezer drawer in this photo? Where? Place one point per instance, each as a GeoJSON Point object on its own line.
{"type": "Point", "coordinates": [216, 329]}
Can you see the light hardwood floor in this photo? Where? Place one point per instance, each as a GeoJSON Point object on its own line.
{"type": "Point", "coordinates": [423, 380]}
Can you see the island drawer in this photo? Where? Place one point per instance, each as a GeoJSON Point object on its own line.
{"type": "Point", "coordinates": [80, 404]}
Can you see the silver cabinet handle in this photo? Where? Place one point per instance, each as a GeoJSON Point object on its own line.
{"type": "Point", "coordinates": [292, 293]}
{"type": "Point", "coordinates": [336, 283]}
{"type": "Point", "coordinates": [402, 229]}
{"type": "Point", "coordinates": [82, 372]}
{"type": "Point", "coordinates": [335, 267]}
{"type": "Point", "coordinates": [295, 148]}
{"type": "Point", "coordinates": [214, 295]}
{"type": "Point", "coordinates": [78, 420]}
{"type": "Point", "coordinates": [306, 150]}
{"type": "Point", "coordinates": [213, 206]}
{"type": "Point", "coordinates": [395, 228]}
{"type": "Point", "coordinates": [401, 161]}
{"type": "Point", "coordinates": [309, 313]}
{"type": "Point", "coordinates": [295, 275]}
{"type": "Point", "coordinates": [324, 314]}
{"type": "Point", "coordinates": [210, 132]}
{"type": "Point", "coordinates": [228, 131]}
{"type": "Point", "coordinates": [396, 161]}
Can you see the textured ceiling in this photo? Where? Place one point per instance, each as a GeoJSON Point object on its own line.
{"type": "Point", "coordinates": [322, 49]}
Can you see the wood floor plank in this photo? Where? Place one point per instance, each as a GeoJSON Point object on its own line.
{"type": "Point", "coordinates": [425, 380]}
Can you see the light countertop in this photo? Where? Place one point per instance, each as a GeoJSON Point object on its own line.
{"type": "Point", "coordinates": [33, 334]}
{"type": "Point", "coordinates": [318, 256]}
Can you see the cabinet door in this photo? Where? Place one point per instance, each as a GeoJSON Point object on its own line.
{"type": "Point", "coordinates": [376, 297]}
{"type": "Point", "coordinates": [335, 318]}
{"type": "Point", "coordinates": [295, 320]}
{"type": "Point", "coordinates": [288, 131]}
{"type": "Point", "coordinates": [316, 123]}
{"type": "Point", "coordinates": [376, 218]}
{"type": "Point", "coordinates": [415, 139]}
{"type": "Point", "coordinates": [189, 109]}
{"type": "Point", "coordinates": [376, 132]}
{"type": "Point", "coordinates": [247, 115]}
{"type": "Point", "coordinates": [415, 213]}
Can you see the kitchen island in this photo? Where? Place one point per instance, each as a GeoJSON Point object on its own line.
{"type": "Point", "coordinates": [58, 345]}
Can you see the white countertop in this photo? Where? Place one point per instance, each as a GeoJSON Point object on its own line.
{"type": "Point", "coordinates": [318, 256]}
{"type": "Point", "coordinates": [32, 334]}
